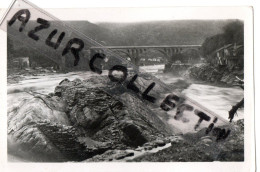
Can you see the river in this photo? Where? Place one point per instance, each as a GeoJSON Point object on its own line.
{"type": "Point", "coordinates": [217, 99]}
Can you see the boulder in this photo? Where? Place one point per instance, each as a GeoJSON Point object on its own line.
{"type": "Point", "coordinates": [79, 119]}
{"type": "Point", "coordinates": [40, 126]}
{"type": "Point", "coordinates": [132, 133]}
{"type": "Point", "coordinates": [23, 128]}
{"type": "Point", "coordinates": [85, 117]}
{"type": "Point", "coordinates": [123, 120]}
{"type": "Point", "coordinates": [159, 142]}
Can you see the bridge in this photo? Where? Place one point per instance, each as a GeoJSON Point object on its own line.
{"type": "Point", "coordinates": [134, 53]}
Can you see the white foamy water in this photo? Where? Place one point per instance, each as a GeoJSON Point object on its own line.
{"type": "Point", "coordinates": [217, 99]}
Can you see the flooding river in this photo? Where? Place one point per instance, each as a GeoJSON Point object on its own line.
{"type": "Point", "coordinates": [217, 99]}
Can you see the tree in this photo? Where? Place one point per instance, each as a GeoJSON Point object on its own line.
{"type": "Point", "coordinates": [233, 32]}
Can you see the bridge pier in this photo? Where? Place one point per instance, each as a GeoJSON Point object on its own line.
{"type": "Point", "coordinates": [135, 56]}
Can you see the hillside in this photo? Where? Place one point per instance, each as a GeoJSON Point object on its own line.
{"type": "Point", "coordinates": [164, 32]}
{"type": "Point", "coordinates": [143, 33]}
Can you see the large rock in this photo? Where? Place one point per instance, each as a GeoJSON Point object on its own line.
{"type": "Point", "coordinates": [124, 119]}
{"type": "Point", "coordinates": [23, 124]}
{"type": "Point", "coordinates": [80, 120]}
{"type": "Point", "coordinates": [214, 74]}
{"type": "Point", "coordinates": [40, 130]}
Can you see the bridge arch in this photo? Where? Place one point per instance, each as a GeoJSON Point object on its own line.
{"type": "Point", "coordinates": [191, 55]}
{"type": "Point", "coordinates": [170, 53]}
{"type": "Point", "coordinates": [151, 54]}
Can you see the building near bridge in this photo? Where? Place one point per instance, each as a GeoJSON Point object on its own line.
{"type": "Point", "coordinates": [231, 56]}
{"type": "Point", "coordinates": [21, 62]}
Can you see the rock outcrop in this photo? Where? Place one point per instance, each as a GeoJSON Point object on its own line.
{"type": "Point", "coordinates": [211, 74]}
{"type": "Point", "coordinates": [23, 124]}
{"type": "Point", "coordinates": [80, 120]}
{"type": "Point", "coordinates": [199, 147]}
{"type": "Point", "coordinates": [106, 118]}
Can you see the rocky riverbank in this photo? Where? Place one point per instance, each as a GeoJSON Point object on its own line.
{"type": "Point", "coordinates": [79, 120]}
{"type": "Point", "coordinates": [200, 148]}
{"type": "Point", "coordinates": [221, 75]}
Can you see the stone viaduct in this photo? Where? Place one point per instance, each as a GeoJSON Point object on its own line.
{"type": "Point", "coordinates": [134, 52]}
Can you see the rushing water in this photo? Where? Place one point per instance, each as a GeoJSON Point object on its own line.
{"type": "Point", "coordinates": [217, 99]}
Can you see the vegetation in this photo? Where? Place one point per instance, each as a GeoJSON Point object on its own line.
{"type": "Point", "coordinates": [233, 32]}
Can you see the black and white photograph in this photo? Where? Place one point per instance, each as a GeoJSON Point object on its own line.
{"type": "Point", "coordinates": [125, 85]}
